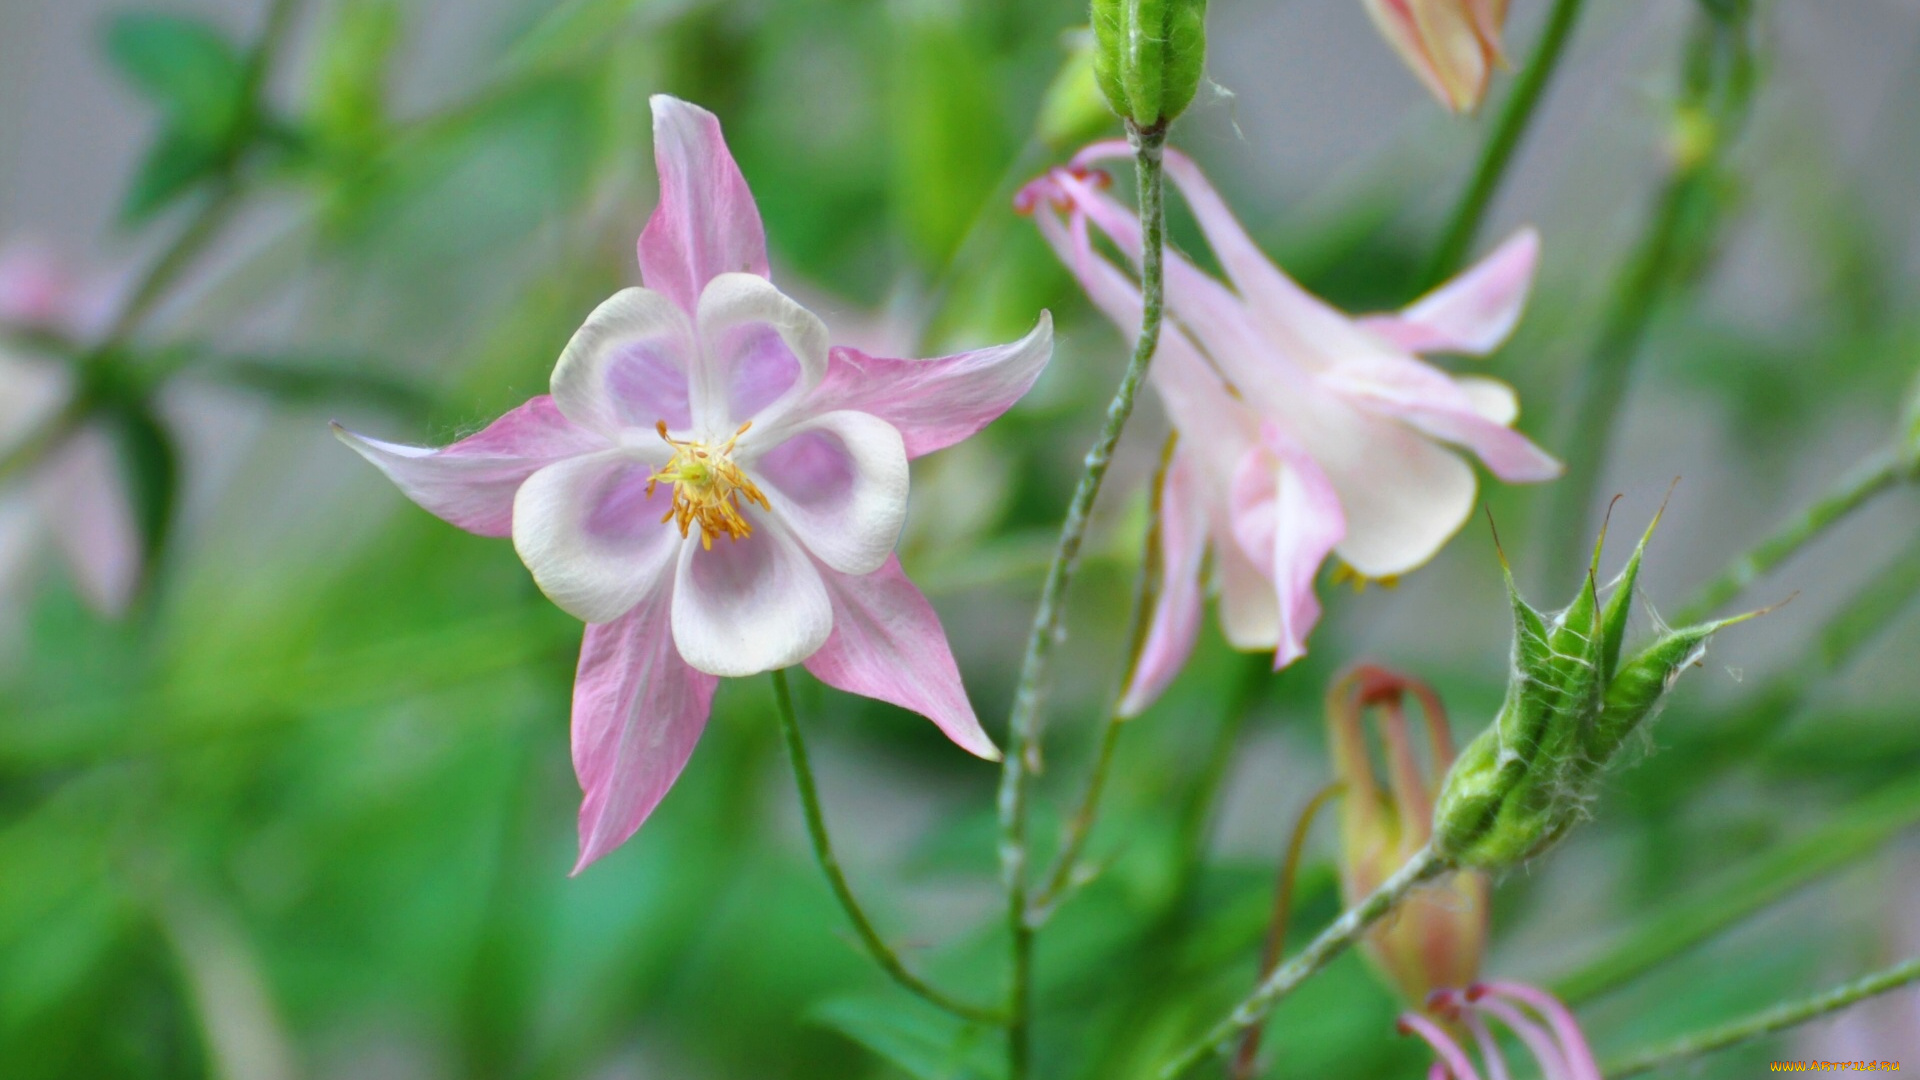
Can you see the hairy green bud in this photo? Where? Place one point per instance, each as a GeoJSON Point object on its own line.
{"type": "Point", "coordinates": [1571, 705]}
{"type": "Point", "coordinates": [1148, 56]}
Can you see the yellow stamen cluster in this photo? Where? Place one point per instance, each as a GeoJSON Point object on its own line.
{"type": "Point", "coordinates": [706, 487]}
{"type": "Point", "coordinates": [1344, 573]}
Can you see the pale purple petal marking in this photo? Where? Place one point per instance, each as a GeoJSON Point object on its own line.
{"type": "Point", "coordinates": [618, 371]}
{"type": "Point", "coordinates": [759, 349]}
{"type": "Point", "coordinates": [591, 535]}
{"type": "Point", "coordinates": [472, 483]}
{"type": "Point", "coordinates": [638, 710]}
{"type": "Point", "coordinates": [749, 606]}
{"type": "Point", "coordinates": [839, 482]}
{"type": "Point", "coordinates": [887, 643]}
{"type": "Point", "coordinates": [706, 223]}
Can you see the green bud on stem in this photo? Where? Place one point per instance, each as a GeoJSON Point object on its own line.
{"type": "Point", "coordinates": [1148, 56]}
{"type": "Point", "coordinates": [1571, 705]}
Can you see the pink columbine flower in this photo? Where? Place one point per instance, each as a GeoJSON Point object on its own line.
{"type": "Point", "coordinates": [1536, 1018]}
{"type": "Point", "coordinates": [715, 491]}
{"type": "Point", "coordinates": [58, 482]}
{"type": "Point", "coordinates": [1304, 432]}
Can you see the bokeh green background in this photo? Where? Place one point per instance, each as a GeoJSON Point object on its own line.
{"type": "Point", "coordinates": [309, 810]}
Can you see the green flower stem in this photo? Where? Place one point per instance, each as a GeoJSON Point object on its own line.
{"type": "Point", "coordinates": [1023, 722]}
{"type": "Point", "coordinates": [1873, 475]}
{"type": "Point", "coordinates": [1718, 82]}
{"type": "Point", "coordinates": [1073, 838]}
{"type": "Point", "coordinates": [1246, 1059]}
{"type": "Point", "coordinates": [212, 214]}
{"type": "Point", "coordinates": [1751, 887]}
{"type": "Point", "coordinates": [830, 865]}
{"type": "Point", "coordinates": [1422, 867]}
{"type": "Point", "coordinates": [1516, 115]}
{"type": "Point", "coordinates": [1767, 1021]}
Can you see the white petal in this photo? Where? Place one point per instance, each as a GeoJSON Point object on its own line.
{"type": "Point", "coordinates": [1249, 610]}
{"type": "Point", "coordinates": [750, 605]}
{"type": "Point", "coordinates": [759, 353]}
{"type": "Point", "coordinates": [1491, 398]}
{"type": "Point", "coordinates": [839, 481]}
{"type": "Point", "coordinates": [626, 367]}
{"type": "Point", "coordinates": [592, 536]}
{"type": "Point", "coordinates": [1404, 495]}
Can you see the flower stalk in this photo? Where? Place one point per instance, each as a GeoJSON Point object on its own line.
{"type": "Point", "coordinates": [1425, 865]}
{"type": "Point", "coordinates": [1023, 757]}
{"type": "Point", "coordinates": [1767, 1021]}
{"type": "Point", "coordinates": [1509, 130]}
{"type": "Point", "coordinates": [876, 946]}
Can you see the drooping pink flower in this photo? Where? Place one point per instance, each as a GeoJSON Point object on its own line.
{"type": "Point", "coordinates": [1538, 1019]}
{"type": "Point", "coordinates": [1304, 432]}
{"type": "Point", "coordinates": [60, 480]}
{"type": "Point", "coordinates": [1451, 45]}
{"type": "Point", "coordinates": [715, 491]}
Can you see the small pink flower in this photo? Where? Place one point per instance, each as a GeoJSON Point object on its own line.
{"type": "Point", "coordinates": [1536, 1018]}
{"type": "Point", "coordinates": [70, 490]}
{"type": "Point", "coordinates": [1304, 432]}
{"type": "Point", "coordinates": [715, 491]}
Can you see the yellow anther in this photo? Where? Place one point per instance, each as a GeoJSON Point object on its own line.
{"type": "Point", "coordinates": [1344, 573]}
{"type": "Point", "coordinates": [707, 487]}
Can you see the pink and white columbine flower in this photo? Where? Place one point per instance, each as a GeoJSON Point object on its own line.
{"type": "Point", "coordinates": [715, 491]}
{"type": "Point", "coordinates": [1304, 432]}
{"type": "Point", "coordinates": [58, 482]}
{"type": "Point", "coordinates": [1535, 1017]}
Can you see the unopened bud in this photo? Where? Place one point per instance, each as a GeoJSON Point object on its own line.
{"type": "Point", "coordinates": [1148, 56]}
{"type": "Point", "coordinates": [1436, 937]}
{"type": "Point", "coordinates": [1571, 704]}
{"type": "Point", "coordinates": [1451, 45]}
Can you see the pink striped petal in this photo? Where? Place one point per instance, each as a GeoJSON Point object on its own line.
{"type": "Point", "coordinates": [936, 403]}
{"type": "Point", "coordinates": [1566, 1030]}
{"type": "Point", "coordinates": [706, 223]}
{"type": "Point", "coordinates": [1546, 1053]}
{"type": "Point", "coordinates": [1287, 517]}
{"type": "Point", "coordinates": [1473, 313]}
{"type": "Point", "coordinates": [1443, 1045]}
{"type": "Point", "coordinates": [473, 482]}
{"type": "Point", "coordinates": [1428, 399]}
{"type": "Point", "coordinates": [888, 644]}
{"type": "Point", "coordinates": [638, 710]}
{"type": "Point", "coordinates": [90, 511]}
{"type": "Point", "coordinates": [1177, 601]}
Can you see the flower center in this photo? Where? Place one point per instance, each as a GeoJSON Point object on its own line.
{"type": "Point", "coordinates": [706, 487]}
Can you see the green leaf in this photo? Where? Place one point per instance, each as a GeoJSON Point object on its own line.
{"type": "Point", "coordinates": [185, 66]}
{"type": "Point", "coordinates": [152, 469]}
{"type": "Point", "coordinates": [921, 1040]}
{"type": "Point", "coordinates": [174, 164]}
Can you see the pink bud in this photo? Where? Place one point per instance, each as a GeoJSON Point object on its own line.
{"type": "Point", "coordinates": [1436, 938]}
{"type": "Point", "coordinates": [1452, 45]}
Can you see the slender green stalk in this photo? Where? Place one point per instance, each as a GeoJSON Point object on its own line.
{"type": "Point", "coordinates": [830, 865]}
{"type": "Point", "coordinates": [1073, 838]}
{"type": "Point", "coordinates": [207, 220]}
{"type": "Point", "coordinates": [1767, 1021]}
{"type": "Point", "coordinates": [1276, 945]}
{"type": "Point", "coordinates": [1023, 722]}
{"type": "Point", "coordinates": [1753, 886]}
{"type": "Point", "coordinates": [1423, 867]}
{"type": "Point", "coordinates": [1874, 474]}
{"type": "Point", "coordinates": [1718, 82]}
{"type": "Point", "coordinates": [1516, 115]}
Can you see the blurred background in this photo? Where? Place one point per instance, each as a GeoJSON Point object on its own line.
{"type": "Point", "coordinates": [306, 809]}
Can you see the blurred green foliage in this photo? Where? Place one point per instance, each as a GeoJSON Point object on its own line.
{"type": "Point", "coordinates": [309, 811]}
